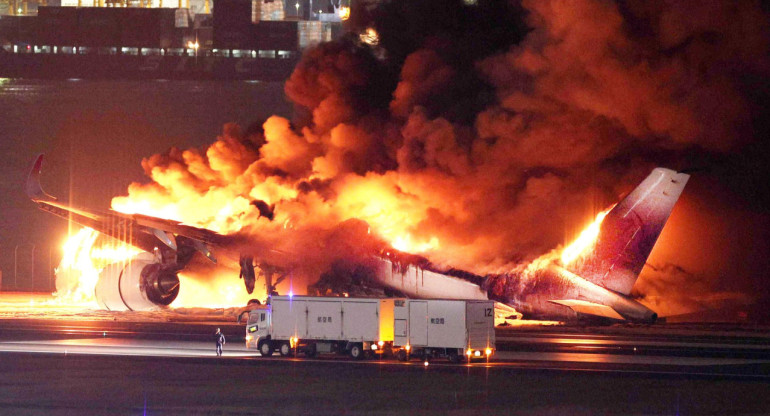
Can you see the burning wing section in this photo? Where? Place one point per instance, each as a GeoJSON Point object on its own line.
{"type": "Point", "coordinates": [148, 280]}
{"type": "Point", "coordinates": [590, 308]}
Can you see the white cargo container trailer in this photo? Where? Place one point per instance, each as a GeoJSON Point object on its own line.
{"type": "Point", "coordinates": [312, 325]}
{"type": "Point", "coordinates": [456, 329]}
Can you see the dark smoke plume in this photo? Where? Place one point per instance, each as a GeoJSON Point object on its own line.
{"type": "Point", "coordinates": [490, 133]}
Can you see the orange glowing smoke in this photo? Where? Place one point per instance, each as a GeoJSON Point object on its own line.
{"type": "Point", "coordinates": [215, 191]}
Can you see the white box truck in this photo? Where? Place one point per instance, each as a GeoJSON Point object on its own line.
{"type": "Point", "coordinates": [312, 325]}
{"type": "Point", "coordinates": [456, 329]}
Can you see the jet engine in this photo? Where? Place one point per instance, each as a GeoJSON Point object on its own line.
{"type": "Point", "coordinates": [138, 284]}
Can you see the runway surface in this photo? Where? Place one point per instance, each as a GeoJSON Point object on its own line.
{"type": "Point", "coordinates": [85, 367]}
{"type": "Point", "coordinates": [159, 383]}
{"type": "Point", "coordinates": [57, 360]}
{"type": "Point", "coordinates": [756, 367]}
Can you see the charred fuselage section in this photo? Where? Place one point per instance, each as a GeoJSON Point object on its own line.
{"type": "Point", "coordinates": [553, 292]}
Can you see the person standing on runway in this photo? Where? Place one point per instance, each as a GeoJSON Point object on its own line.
{"type": "Point", "coordinates": [220, 338]}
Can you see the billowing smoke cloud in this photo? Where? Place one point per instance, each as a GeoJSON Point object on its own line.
{"type": "Point", "coordinates": [480, 135]}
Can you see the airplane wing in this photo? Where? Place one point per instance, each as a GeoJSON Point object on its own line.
{"type": "Point", "coordinates": [146, 281]}
{"type": "Point", "coordinates": [141, 231]}
{"type": "Point", "coordinates": [590, 308]}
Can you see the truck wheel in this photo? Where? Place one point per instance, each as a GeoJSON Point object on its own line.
{"type": "Point", "coordinates": [285, 350]}
{"type": "Point", "coordinates": [454, 357]}
{"type": "Point", "coordinates": [401, 355]}
{"type": "Point", "coordinates": [357, 351]}
{"type": "Point", "coordinates": [265, 348]}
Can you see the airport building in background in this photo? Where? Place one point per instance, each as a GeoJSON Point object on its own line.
{"type": "Point", "coordinates": [264, 10]}
{"type": "Point", "coordinates": [150, 39]}
{"type": "Point", "coordinates": [198, 39]}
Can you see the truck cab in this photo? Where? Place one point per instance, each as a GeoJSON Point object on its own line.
{"type": "Point", "coordinates": [257, 326]}
{"type": "Point", "coordinates": [313, 325]}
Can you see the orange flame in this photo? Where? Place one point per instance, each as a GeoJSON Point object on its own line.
{"type": "Point", "coordinates": [585, 240]}
{"type": "Point", "coordinates": [218, 291]}
{"type": "Point", "coordinates": [370, 37]}
{"type": "Point", "coordinates": [344, 13]}
{"type": "Point", "coordinates": [406, 244]}
{"type": "Point", "coordinates": [81, 264]}
{"type": "Point", "coordinates": [570, 252]}
{"type": "Point", "coordinates": [84, 259]}
{"type": "Point", "coordinates": [76, 275]}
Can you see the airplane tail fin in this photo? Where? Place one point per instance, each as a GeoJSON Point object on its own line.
{"type": "Point", "coordinates": [34, 189]}
{"type": "Point", "coordinates": [629, 232]}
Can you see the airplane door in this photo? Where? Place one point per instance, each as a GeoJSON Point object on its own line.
{"type": "Point", "coordinates": [418, 323]}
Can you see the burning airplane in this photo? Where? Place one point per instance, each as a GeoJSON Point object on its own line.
{"type": "Point", "coordinates": [593, 277]}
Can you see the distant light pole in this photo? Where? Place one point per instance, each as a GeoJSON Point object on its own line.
{"type": "Point", "coordinates": [297, 6]}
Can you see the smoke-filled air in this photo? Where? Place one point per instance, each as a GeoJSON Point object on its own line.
{"type": "Point", "coordinates": [483, 135]}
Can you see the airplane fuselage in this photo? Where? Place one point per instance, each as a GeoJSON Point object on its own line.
{"type": "Point", "coordinates": [597, 285]}
{"type": "Point", "coordinates": [535, 296]}
{"type": "Point", "coordinates": [559, 293]}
